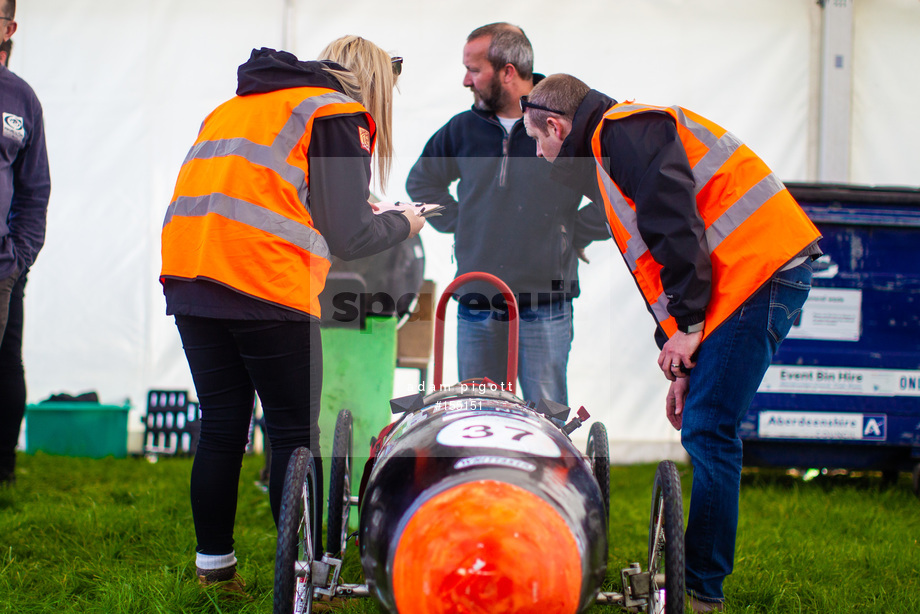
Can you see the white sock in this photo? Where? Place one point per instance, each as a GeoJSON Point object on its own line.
{"type": "Point", "coordinates": [215, 561]}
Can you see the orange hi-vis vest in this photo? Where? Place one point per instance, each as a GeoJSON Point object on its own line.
{"type": "Point", "coordinates": [240, 213]}
{"type": "Point", "coordinates": [753, 224]}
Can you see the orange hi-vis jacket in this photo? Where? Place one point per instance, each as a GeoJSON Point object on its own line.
{"type": "Point", "coordinates": [240, 213]}
{"type": "Point", "coordinates": [753, 224]}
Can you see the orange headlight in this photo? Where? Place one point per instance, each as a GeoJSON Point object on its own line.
{"type": "Point", "coordinates": [487, 547]}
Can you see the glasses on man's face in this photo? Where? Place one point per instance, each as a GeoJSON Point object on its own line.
{"type": "Point", "coordinates": [396, 63]}
{"type": "Point", "coordinates": [531, 105]}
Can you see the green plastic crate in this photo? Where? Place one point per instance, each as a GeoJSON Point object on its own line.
{"type": "Point", "coordinates": [77, 429]}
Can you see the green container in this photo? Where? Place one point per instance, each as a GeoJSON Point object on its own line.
{"type": "Point", "coordinates": [358, 369]}
{"type": "Point", "coordinates": [77, 429]}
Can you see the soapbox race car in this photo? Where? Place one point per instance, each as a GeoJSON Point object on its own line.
{"type": "Point", "coordinates": [474, 501]}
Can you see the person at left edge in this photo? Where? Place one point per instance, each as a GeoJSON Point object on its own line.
{"type": "Point", "coordinates": [25, 188]}
{"type": "Point", "coordinates": [275, 184]}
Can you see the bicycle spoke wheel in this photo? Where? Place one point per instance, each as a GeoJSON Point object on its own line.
{"type": "Point", "coordinates": [598, 451]}
{"type": "Point", "coordinates": [666, 543]}
{"type": "Point", "coordinates": [339, 485]}
{"type": "Point", "coordinates": [294, 556]}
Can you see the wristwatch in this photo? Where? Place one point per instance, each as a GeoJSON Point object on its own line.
{"type": "Point", "coordinates": [693, 328]}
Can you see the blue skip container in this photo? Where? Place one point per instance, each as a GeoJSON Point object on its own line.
{"type": "Point", "coordinates": [844, 389]}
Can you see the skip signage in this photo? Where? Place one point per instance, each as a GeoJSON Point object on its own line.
{"type": "Point", "coordinates": [841, 381]}
{"type": "Point", "coordinates": [831, 314]}
{"type": "Point", "coordinates": [822, 425]}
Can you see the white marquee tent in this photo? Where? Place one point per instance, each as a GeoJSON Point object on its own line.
{"type": "Point", "coordinates": [821, 90]}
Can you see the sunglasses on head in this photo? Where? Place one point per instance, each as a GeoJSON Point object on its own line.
{"type": "Point", "coordinates": [396, 63]}
{"type": "Point", "coordinates": [530, 105]}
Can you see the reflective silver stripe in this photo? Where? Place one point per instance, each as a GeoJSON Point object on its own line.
{"type": "Point", "coordinates": [274, 156]}
{"type": "Point", "coordinates": [263, 155]}
{"type": "Point", "coordinates": [720, 149]}
{"type": "Point", "coordinates": [698, 130]}
{"type": "Point", "coordinates": [626, 108]}
{"type": "Point", "coordinates": [743, 208]}
{"type": "Point", "coordinates": [724, 225]}
{"type": "Point", "coordinates": [660, 308]}
{"type": "Point", "coordinates": [715, 158]}
{"type": "Point", "coordinates": [293, 130]}
{"type": "Point", "coordinates": [241, 211]}
{"type": "Point", "coordinates": [635, 247]}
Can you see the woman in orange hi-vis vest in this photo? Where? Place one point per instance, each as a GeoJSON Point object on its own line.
{"type": "Point", "coordinates": [276, 182]}
{"type": "Point", "coordinates": [720, 252]}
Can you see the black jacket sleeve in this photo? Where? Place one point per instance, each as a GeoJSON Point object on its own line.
{"type": "Point", "coordinates": [430, 179]}
{"type": "Point", "coordinates": [339, 179]}
{"type": "Point", "coordinates": [590, 225]}
{"type": "Point", "coordinates": [649, 163]}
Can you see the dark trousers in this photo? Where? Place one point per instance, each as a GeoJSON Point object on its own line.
{"type": "Point", "coordinates": [12, 380]}
{"type": "Point", "coordinates": [230, 361]}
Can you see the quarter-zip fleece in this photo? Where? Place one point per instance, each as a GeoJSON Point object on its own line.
{"type": "Point", "coordinates": [510, 218]}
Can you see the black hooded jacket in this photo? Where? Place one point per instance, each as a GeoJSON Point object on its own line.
{"type": "Point", "coordinates": [340, 171]}
{"type": "Point", "coordinates": [643, 154]}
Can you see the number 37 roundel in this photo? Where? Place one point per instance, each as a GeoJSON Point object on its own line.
{"type": "Point", "coordinates": [498, 432]}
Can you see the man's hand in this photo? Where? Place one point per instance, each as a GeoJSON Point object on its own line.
{"type": "Point", "coordinates": [674, 403]}
{"type": "Point", "coordinates": [677, 352]}
{"type": "Point", "coordinates": [580, 252]}
{"type": "Point", "coordinates": [416, 222]}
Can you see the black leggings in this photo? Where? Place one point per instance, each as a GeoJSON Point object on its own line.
{"type": "Point", "coordinates": [230, 360]}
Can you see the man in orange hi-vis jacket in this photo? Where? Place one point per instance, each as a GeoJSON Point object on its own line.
{"type": "Point", "coordinates": [721, 253]}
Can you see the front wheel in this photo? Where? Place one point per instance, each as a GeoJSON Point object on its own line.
{"type": "Point", "coordinates": [666, 543]}
{"type": "Point", "coordinates": [294, 555]}
{"type": "Point", "coordinates": [598, 452]}
{"type": "Point", "coordinates": [340, 485]}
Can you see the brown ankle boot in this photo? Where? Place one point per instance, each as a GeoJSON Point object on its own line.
{"type": "Point", "coordinates": [226, 579]}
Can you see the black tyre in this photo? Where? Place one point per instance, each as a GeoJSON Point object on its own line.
{"type": "Point", "coordinates": [666, 543]}
{"type": "Point", "coordinates": [340, 485]}
{"type": "Point", "coordinates": [294, 556]}
{"type": "Point", "coordinates": [598, 453]}
{"type": "Point", "coordinates": [916, 480]}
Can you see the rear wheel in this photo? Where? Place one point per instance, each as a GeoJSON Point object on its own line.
{"type": "Point", "coordinates": [916, 480]}
{"type": "Point", "coordinates": [294, 554]}
{"type": "Point", "coordinates": [598, 453]}
{"type": "Point", "coordinates": [666, 543]}
{"type": "Point", "coordinates": [340, 485]}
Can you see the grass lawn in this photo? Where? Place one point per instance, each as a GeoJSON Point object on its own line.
{"type": "Point", "coordinates": [110, 536]}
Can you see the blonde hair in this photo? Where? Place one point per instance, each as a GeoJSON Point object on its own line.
{"type": "Point", "coordinates": [369, 79]}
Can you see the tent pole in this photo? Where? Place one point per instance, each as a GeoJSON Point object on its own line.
{"type": "Point", "coordinates": [836, 90]}
{"type": "Point", "coordinates": [288, 25]}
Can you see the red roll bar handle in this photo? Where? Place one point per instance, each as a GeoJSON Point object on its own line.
{"type": "Point", "coordinates": [510, 301]}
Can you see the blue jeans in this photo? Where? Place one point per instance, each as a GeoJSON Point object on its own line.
{"type": "Point", "coordinates": [731, 364]}
{"type": "Point", "coordinates": [544, 341]}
